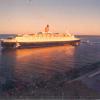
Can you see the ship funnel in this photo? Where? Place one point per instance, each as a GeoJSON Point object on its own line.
{"type": "Point", "coordinates": [47, 29]}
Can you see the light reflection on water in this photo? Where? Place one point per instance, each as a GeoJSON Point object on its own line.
{"type": "Point", "coordinates": [44, 61]}
{"type": "Point", "coordinates": [25, 64]}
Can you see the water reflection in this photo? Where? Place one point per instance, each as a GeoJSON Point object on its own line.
{"type": "Point", "coordinates": [41, 60]}
{"type": "Point", "coordinates": [44, 61]}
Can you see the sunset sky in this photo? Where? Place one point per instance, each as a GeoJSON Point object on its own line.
{"type": "Point", "coordinates": [29, 16]}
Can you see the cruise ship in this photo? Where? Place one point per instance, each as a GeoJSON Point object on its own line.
{"type": "Point", "coordinates": [41, 39]}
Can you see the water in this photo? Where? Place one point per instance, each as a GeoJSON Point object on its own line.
{"type": "Point", "coordinates": [52, 72]}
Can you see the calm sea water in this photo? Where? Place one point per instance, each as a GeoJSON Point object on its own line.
{"type": "Point", "coordinates": [52, 72]}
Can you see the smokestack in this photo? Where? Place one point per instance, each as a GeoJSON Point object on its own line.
{"type": "Point", "coordinates": [47, 29]}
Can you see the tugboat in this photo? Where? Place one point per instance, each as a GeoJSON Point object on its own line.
{"type": "Point", "coordinates": [41, 39]}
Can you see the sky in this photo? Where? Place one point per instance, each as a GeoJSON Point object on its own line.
{"type": "Point", "coordinates": [81, 17]}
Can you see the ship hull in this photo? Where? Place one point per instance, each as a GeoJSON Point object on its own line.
{"type": "Point", "coordinates": [12, 45]}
